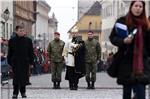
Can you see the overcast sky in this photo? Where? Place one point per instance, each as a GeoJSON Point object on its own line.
{"type": "Point", "coordinates": [66, 14]}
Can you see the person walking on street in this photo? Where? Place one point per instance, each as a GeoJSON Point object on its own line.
{"type": "Point", "coordinates": [133, 55]}
{"type": "Point", "coordinates": [20, 57]}
{"type": "Point", "coordinates": [74, 57]}
{"type": "Point", "coordinates": [55, 49]}
{"type": "Point", "coordinates": [92, 57]}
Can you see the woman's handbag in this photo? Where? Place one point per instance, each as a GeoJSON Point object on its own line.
{"type": "Point", "coordinates": [113, 68]}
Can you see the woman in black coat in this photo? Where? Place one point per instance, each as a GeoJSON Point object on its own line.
{"type": "Point", "coordinates": [20, 57]}
{"type": "Point", "coordinates": [133, 56]}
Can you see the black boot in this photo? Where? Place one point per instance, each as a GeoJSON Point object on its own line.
{"type": "Point", "coordinates": [14, 96]}
{"type": "Point", "coordinates": [58, 85]}
{"type": "Point", "coordinates": [92, 86]}
{"type": "Point", "coordinates": [75, 86]}
{"type": "Point", "coordinates": [54, 85]}
{"type": "Point", "coordinates": [23, 95]}
{"type": "Point", "coordinates": [88, 85]}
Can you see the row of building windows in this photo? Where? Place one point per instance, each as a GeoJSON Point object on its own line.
{"type": "Point", "coordinates": [116, 7]}
{"type": "Point", "coordinates": [28, 5]}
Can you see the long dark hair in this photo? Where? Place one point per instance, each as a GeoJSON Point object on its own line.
{"type": "Point", "coordinates": [129, 17]}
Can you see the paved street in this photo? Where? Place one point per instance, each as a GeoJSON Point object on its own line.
{"type": "Point", "coordinates": [41, 88]}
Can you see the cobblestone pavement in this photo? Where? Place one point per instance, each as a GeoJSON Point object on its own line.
{"type": "Point", "coordinates": [41, 88]}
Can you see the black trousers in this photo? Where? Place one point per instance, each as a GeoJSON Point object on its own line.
{"type": "Point", "coordinates": [18, 88]}
{"type": "Point", "coordinates": [71, 75]}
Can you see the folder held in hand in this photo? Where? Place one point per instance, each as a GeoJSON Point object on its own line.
{"type": "Point", "coordinates": [121, 29]}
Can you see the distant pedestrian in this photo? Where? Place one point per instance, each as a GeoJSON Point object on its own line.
{"type": "Point", "coordinates": [92, 59]}
{"type": "Point", "coordinates": [110, 58]}
{"type": "Point", "coordinates": [55, 49]}
{"type": "Point", "coordinates": [132, 58]}
{"type": "Point", "coordinates": [20, 57]}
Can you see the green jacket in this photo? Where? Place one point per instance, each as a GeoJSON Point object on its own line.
{"type": "Point", "coordinates": [93, 50]}
{"type": "Point", "coordinates": [55, 49]}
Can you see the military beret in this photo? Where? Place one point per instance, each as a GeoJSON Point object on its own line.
{"type": "Point", "coordinates": [57, 33]}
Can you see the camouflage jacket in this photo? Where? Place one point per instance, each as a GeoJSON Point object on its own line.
{"type": "Point", "coordinates": [55, 49]}
{"type": "Point", "coordinates": [93, 51]}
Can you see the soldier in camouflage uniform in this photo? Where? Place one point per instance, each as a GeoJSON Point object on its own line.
{"type": "Point", "coordinates": [92, 57]}
{"type": "Point", "coordinates": [55, 49]}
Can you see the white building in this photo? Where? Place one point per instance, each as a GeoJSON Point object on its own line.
{"type": "Point", "coordinates": [111, 10]}
{"type": "Point", "coordinates": [6, 27]}
{"type": "Point", "coordinates": [52, 22]}
{"type": "Point", "coordinates": [41, 26]}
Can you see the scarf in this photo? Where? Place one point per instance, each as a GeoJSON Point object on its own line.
{"type": "Point", "coordinates": [138, 49]}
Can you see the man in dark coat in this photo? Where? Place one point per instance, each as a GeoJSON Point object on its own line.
{"type": "Point", "coordinates": [20, 57]}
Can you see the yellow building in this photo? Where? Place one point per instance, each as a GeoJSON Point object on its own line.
{"type": "Point", "coordinates": [91, 20]}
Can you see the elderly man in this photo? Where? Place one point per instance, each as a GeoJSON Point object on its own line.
{"type": "Point", "coordinates": [74, 56]}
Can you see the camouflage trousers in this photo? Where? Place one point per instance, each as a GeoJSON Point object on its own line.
{"type": "Point", "coordinates": [91, 69]}
{"type": "Point", "coordinates": [56, 70]}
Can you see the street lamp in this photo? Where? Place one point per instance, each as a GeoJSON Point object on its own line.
{"type": "Point", "coordinates": [5, 16]}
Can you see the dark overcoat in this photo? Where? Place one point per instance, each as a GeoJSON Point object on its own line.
{"type": "Point", "coordinates": [20, 56]}
{"type": "Point", "coordinates": [125, 57]}
{"type": "Point", "coordinates": [80, 58]}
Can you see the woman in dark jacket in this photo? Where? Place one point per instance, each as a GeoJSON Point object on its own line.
{"type": "Point", "coordinates": [133, 51]}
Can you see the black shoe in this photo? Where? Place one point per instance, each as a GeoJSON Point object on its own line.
{"type": "Point", "coordinates": [14, 96]}
{"type": "Point", "coordinates": [58, 87]}
{"type": "Point", "coordinates": [24, 95]}
{"type": "Point", "coordinates": [28, 83]}
{"type": "Point", "coordinates": [54, 87]}
{"type": "Point", "coordinates": [75, 88]}
{"type": "Point", "coordinates": [92, 87]}
{"type": "Point", "coordinates": [70, 86]}
{"type": "Point", "coordinates": [88, 87]}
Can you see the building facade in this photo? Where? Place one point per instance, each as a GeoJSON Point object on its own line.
{"type": "Point", "coordinates": [42, 33]}
{"type": "Point", "coordinates": [111, 10]}
{"type": "Point", "coordinates": [52, 27]}
{"type": "Point", "coordinates": [91, 20]}
{"type": "Point", "coordinates": [24, 14]}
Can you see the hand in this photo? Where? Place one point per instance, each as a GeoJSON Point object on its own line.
{"type": "Point", "coordinates": [31, 66]}
{"type": "Point", "coordinates": [49, 62]}
{"type": "Point", "coordinates": [128, 40]}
